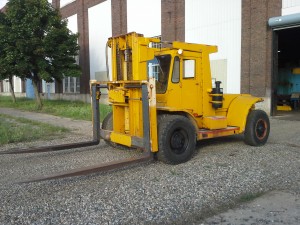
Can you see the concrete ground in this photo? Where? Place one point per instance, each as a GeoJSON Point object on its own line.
{"type": "Point", "coordinates": [275, 207]}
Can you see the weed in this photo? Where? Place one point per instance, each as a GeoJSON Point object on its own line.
{"type": "Point", "coordinates": [174, 172]}
{"type": "Point", "coordinates": [207, 166]}
{"type": "Point", "coordinates": [249, 196]}
{"type": "Point", "coordinates": [14, 130]}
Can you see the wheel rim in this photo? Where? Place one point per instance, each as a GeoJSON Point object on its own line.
{"type": "Point", "coordinates": [179, 141]}
{"type": "Point", "coordinates": [261, 129]}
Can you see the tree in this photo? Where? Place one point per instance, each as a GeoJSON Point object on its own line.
{"type": "Point", "coordinates": [45, 49]}
{"type": "Point", "coordinates": [6, 61]}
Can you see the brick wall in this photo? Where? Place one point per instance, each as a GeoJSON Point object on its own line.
{"type": "Point", "coordinates": [173, 20]}
{"type": "Point", "coordinates": [119, 17]}
{"type": "Point", "coordinates": [256, 61]}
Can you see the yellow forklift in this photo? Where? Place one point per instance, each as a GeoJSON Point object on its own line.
{"type": "Point", "coordinates": [163, 100]}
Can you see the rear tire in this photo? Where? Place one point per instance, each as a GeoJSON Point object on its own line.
{"type": "Point", "coordinates": [257, 128]}
{"type": "Point", "coordinates": [177, 139]}
{"type": "Point", "coordinates": [107, 124]}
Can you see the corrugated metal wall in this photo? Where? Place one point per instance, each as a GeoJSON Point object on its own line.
{"type": "Point", "coordinates": [290, 7]}
{"type": "Point", "coordinates": [144, 17]}
{"type": "Point", "coordinates": [218, 22]}
{"type": "Point", "coordinates": [290, 3]}
{"type": "Point", "coordinates": [219, 72]}
{"type": "Point", "coordinates": [99, 31]}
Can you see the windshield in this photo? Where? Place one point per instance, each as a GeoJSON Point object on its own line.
{"type": "Point", "coordinates": [159, 68]}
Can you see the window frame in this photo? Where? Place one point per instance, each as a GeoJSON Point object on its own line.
{"type": "Point", "coordinates": [176, 59]}
{"type": "Point", "coordinates": [186, 71]}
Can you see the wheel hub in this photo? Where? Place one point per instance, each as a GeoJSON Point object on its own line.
{"type": "Point", "coordinates": [261, 129]}
{"type": "Point", "coordinates": [178, 142]}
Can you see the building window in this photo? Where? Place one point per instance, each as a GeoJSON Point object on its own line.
{"type": "Point", "coordinates": [153, 69]}
{"type": "Point", "coordinates": [71, 85]}
{"type": "Point", "coordinates": [156, 45]}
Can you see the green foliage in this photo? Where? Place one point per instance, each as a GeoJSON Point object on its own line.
{"type": "Point", "coordinates": [14, 130]}
{"type": "Point", "coordinates": [45, 47]}
{"type": "Point", "coordinates": [38, 44]}
{"type": "Point", "coordinates": [6, 59]}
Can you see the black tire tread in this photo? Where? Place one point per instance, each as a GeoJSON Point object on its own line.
{"type": "Point", "coordinates": [164, 122]}
{"type": "Point", "coordinates": [249, 134]}
{"type": "Point", "coordinates": [107, 124]}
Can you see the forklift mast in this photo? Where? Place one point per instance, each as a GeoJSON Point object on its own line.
{"type": "Point", "coordinates": [132, 93]}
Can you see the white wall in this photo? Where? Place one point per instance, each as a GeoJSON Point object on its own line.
{"type": "Point", "coordinates": [100, 29]}
{"type": "Point", "coordinates": [3, 3]}
{"type": "Point", "coordinates": [290, 7]}
{"type": "Point", "coordinates": [65, 2]}
{"type": "Point", "coordinates": [144, 17]}
{"type": "Point", "coordinates": [72, 23]}
{"type": "Point", "coordinates": [218, 22]}
{"type": "Point", "coordinates": [219, 72]}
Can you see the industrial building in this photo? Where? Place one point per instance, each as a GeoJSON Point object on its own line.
{"type": "Point", "coordinates": [257, 41]}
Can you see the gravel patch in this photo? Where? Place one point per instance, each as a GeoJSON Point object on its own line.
{"type": "Point", "coordinates": [221, 171]}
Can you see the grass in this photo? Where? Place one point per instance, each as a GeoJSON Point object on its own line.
{"type": "Point", "coordinates": [13, 130]}
{"type": "Point", "coordinates": [70, 109]}
{"type": "Point", "coordinates": [249, 197]}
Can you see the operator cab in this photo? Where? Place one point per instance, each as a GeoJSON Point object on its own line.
{"type": "Point", "coordinates": [160, 69]}
{"type": "Point", "coordinates": [177, 81]}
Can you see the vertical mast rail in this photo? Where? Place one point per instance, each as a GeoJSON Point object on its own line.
{"type": "Point", "coordinates": [146, 118]}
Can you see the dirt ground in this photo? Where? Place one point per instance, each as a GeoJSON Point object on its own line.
{"type": "Point", "coordinates": [276, 207]}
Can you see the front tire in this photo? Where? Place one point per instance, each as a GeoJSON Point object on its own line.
{"type": "Point", "coordinates": [177, 139]}
{"type": "Point", "coordinates": [107, 124]}
{"type": "Point", "coordinates": [257, 128]}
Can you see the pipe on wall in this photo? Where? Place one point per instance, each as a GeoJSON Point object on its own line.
{"type": "Point", "coordinates": [292, 20]}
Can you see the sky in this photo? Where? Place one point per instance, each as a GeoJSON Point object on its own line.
{"type": "Point", "coordinates": [2, 3]}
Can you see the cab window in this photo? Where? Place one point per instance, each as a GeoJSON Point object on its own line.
{"type": "Point", "coordinates": [163, 69]}
{"type": "Point", "coordinates": [176, 70]}
{"type": "Point", "coordinates": [189, 68]}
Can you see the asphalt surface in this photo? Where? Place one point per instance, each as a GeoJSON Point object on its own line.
{"type": "Point", "coordinates": [209, 189]}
